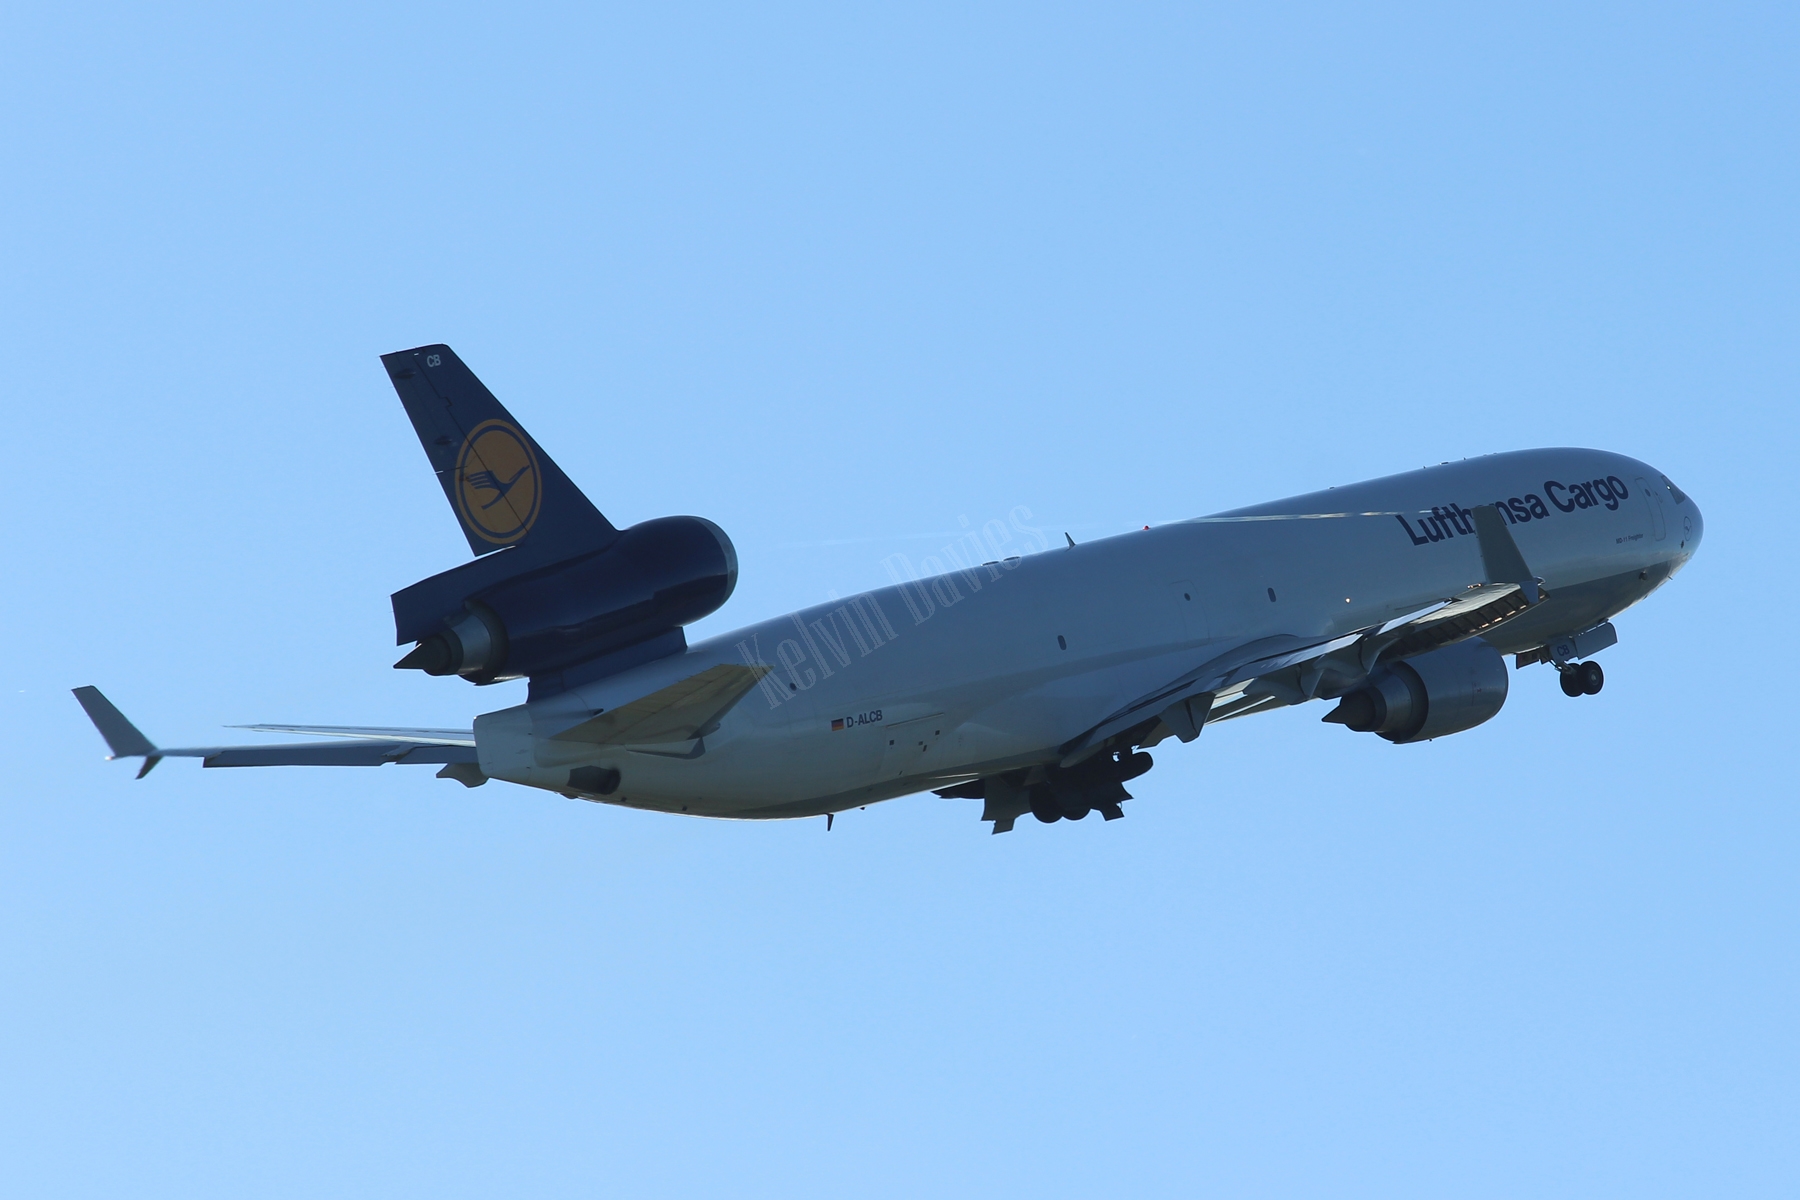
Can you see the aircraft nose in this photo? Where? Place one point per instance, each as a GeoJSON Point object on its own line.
{"type": "Point", "coordinates": [1692, 527]}
{"type": "Point", "coordinates": [1684, 516]}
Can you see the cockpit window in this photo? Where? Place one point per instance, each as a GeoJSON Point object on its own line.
{"type": "Point", "coordinates": [1680, 496]}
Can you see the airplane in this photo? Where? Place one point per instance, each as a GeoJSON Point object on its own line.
{"type": "Point", "coordinates": [1032, 675]}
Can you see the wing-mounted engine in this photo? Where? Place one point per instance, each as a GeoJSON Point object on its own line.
{"type": "Point", "coordinates": [1430, 695]}
{"type": "Point", "coordinates": [1432, 674]}
{"type": "Point", "coordinates": [1510, 589]}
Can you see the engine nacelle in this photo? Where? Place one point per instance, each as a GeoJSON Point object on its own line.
{"type": "Point", "coordinates": [652, 579]}
{"type": "Point", "coordinates": [1417, 699]}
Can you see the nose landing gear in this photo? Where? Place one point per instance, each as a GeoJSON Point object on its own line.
{"type": "Point", "coordinates": [1582, 679]}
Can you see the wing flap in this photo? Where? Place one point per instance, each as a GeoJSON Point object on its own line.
{"type": "Point", "coordinates": [1217, 675]}
{"type": "Point", "coordinates": [359, 753]}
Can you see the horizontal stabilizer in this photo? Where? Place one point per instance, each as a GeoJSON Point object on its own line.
{"type": "Point", "coordinates": [678, 713]}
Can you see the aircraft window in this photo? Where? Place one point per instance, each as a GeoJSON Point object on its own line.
{"type": "Point", "coordinates": [1271, 595]}
{"type": "Point", "coordinates": [1062, 641]}
{"type": "Point", "coordinates": [1680, 496]}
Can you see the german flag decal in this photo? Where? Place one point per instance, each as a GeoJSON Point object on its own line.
{"type": "Point", "coordinates": [837, 724]}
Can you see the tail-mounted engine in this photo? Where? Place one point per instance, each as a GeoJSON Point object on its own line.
{"type": "Point", "coordinates": [486, 624]}
{"type": "Point", "coordinates": [1427, 696]}
{"type": "Point", "coordinates": [556, 591]}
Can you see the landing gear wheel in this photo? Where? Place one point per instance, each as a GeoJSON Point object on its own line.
{"type": "Point", "coordinates": [1076, 813]}
{"type": "Point", "coordinates": [1592, 678]}
{"type": "Point", "coordinates": [1571, 680]}
{"type": "Point", "coordinates": [1046, 809]}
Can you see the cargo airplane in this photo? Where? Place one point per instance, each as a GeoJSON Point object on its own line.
{"type": "Point", "coordinates": [1033, 677]}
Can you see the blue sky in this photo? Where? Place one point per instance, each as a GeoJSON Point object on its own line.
{"type": "Point", "coordinates": [840, 279]}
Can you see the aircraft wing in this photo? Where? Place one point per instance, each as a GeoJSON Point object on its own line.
{"type": "Point", "coordinates": [424, 737]}
{"type": "Point", "coordinates": [1199, 686]}
{"type": "Point", "coordinates": [1186, 703]}
{"type": "Point", "coordinates": [358, 753]}
{"type": "Point", "coordinates": [680, 712]}
{"type": "Point", "coordinates": [364, 747]}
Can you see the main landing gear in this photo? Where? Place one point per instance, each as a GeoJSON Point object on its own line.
{"type": "Point", "coordinates": [1582, 679]}
{"type": "Point", "coordinates": [1097, 785]}
{"type": "Point", "coordinates": [1055, 793]}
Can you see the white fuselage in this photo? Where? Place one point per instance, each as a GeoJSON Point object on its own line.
{"type": "Point", "coordinates": [997, 666]}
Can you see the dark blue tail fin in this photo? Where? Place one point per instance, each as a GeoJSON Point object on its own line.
{"type": "Point", "coordinates": [502, 486]}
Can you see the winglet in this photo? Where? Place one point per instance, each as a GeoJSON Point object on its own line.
{"type": "Point", "coordinates": [122, 737]}
{"type": "Point", "coordinates": [1500, 554]}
